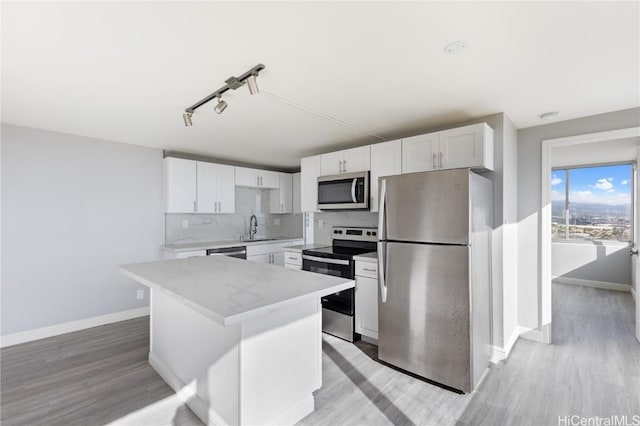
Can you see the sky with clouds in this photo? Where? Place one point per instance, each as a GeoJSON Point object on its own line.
{"type": "Point", "coordinates": [609, 185]}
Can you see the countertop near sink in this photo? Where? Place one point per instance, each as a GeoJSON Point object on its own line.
{"type": "Point", "coordinates": [203, 245]}
{"type": "Point", "coordinates": [299, 248]}
{"type": "Point", "coordinates": [367, 257]}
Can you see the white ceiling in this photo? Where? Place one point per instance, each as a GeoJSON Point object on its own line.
{"type": "Point", "coordinates": [125, 71]}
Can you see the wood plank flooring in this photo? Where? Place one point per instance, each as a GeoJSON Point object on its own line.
{"type": "Point", "coordinates": [101, 375]}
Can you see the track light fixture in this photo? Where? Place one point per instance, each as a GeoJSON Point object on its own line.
{"type": "Point", "coordinates": [248, 78]}
{"type": "Point", "coordinates": [187, 119]}
{"type": "Point", "coordinates": [221, 106]}
{"type": "Point", "coordinates": [252, 85]}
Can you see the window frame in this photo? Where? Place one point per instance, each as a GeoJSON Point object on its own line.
{"type": "Point", "coordinates": [632, 183]}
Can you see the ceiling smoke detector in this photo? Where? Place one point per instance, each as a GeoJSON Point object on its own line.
{"type": "Point", "coordinates": [455, 47]}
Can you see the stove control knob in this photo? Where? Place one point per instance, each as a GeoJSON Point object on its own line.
{"type": "Point", "coordinates": [374, 233]}
{"type": "Point", "coordinates": [368, 232]}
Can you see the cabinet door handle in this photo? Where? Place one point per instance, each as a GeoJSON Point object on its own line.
{"type": "Point", "coordinates": [257, 181]}
{"type": "Point", "coordinates": [433, 163]}
{"type": "Point", "coordinates": [440, 160]}
{"type": "Point", "coordinates": [344, 166]}
{"type": "Point", "coordinates": [260, 180]}
{"type": "Point", "coordinates": [195, 206]}
{"type": "Point", "coordinates": [219, 206]}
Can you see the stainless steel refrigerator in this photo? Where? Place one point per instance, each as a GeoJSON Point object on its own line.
{"type": "Point", "coordinates": [435, 275]}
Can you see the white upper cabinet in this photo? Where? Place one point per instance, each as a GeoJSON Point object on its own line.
{"type": "Point", "coordinates": [297, 207]}
{"type": "Point", "coordinates": [310, 170]}
{"type": "Point", "coordinates": [256, 178]}
{"type": "Point", "coordinates": [468, 146]}
{"type": "Point", "coordinates": [216, 188]}
{"type": "Point", "coordinates": [345, 161]}
{"type": "Point", "coordinates": [199, 187]}
{"type": "Point", "coordinates": [180, 185]}
{"type": "Point", "coordinates": [420, 153]}
{"type": "Point", "coordinates": [386, 160]}
{"type": "Point", "coordinates": [207, 187]}
{"type": "Point", "coordinates": [281, 200]}
{"type": "Point", "coordinates": [331, 163]}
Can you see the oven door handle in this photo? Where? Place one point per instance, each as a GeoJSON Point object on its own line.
{"type": "Point", "coordinates": [325, 260]}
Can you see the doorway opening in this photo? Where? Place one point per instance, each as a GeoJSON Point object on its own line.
{"type": "Point", "coordinates": [606, 147]}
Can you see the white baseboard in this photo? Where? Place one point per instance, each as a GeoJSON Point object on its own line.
{"type": "Point", "coordinates": [592, 283]}
{"type": "Point", "coordinates": [501, 353]}
{"type": "Point", "coordinates": [197, 405]}
{"type": "Point", "coordinates": [298, 411]}
{"type": "Point", "coordinates": [532, 334]}
{"type": "Point", "coordinates": [69, 327]}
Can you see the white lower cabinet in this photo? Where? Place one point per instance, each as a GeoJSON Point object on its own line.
{"type": "Point", "coordinates": [367, 300]}
{"type": "Point", "coordinates": [293, 260]}
{"type": "Point", "coordinates": [272, 254]}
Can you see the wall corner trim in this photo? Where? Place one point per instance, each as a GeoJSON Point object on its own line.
{"type": "Point", "coordinates": [532, 334]}
{"type": "Point", "coordinates": [69, 327]}
{"type": "Point", "coordinates": [502, 353]}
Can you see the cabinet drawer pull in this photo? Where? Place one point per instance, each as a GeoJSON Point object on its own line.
{"type": "Point", "coordinates": [368, 270]}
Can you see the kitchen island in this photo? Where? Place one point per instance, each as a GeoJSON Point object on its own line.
{"type": "Point", "coordinates": [242, 341]}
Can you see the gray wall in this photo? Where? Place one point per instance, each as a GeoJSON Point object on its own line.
{"type": "Point", "coordinates": [217, 227]}
{"type": "Point", "coordinates": [529, 181]}
{"type": "Point", "coordinates": [72, 209]}
{"type": "Point", "coordinates": [594, 261]}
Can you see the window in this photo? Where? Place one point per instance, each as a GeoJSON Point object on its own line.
{"type": "Point", "coordinates": [592, 203]}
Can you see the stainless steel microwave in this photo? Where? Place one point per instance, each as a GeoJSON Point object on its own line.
{"type": "Point", "coordinates": [347, 191]}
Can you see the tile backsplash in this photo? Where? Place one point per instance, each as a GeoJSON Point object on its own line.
{"type": "Point", "coordinates": [343, 218]}
{"type": "Point", "coordinates": [218, 227]}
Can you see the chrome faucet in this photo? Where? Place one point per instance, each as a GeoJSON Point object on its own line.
{"type": "Point", "coordinates": [253, 226]}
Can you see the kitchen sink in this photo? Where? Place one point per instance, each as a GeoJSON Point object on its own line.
{"type": "Point", "coordinates": [259, 239]}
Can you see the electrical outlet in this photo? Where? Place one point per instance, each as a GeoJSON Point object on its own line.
{"type": "Point", "coordinates": [276, 221]}
{"type": "Point", "coordinates": [185, 223]}
{"type": "Point", "coordinates": [140, 294]}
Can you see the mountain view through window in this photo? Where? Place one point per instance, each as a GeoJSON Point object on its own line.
{"type": "Point", "coordinates": [599, 204]}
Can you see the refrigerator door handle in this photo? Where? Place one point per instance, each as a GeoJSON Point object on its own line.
{"type": "Point", "coordinates": [382, 260]}
{"type": "Point", "coordinates": [382, 228]}
{"type": "Point", "coordinates": [353, 190]}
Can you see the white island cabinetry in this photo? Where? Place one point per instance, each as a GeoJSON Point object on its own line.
{"type": "Point", "coordinates": [242, 339]}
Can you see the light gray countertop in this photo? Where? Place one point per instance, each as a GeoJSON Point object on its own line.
{"type": "Point", "coordinates": [229, 290]}
{"type": "Point", "coordinates": [299, 248]}
{"type": "Point", "coordinates": [367, 257]}
{"type": "Point", "coordinates": [203, 245]}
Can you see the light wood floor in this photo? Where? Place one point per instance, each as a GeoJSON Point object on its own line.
{"type": "Point", "coordinates": [101, 375]}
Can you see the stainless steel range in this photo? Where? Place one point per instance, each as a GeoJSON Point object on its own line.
{"type": "Point", "coordinates": [338, 309]}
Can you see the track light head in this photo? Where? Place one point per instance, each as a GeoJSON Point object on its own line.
{"type": "Point", "coordinates": [222, 105]}
{"type": "Point", "coordinates": [252, 84]}
{"type": "Point", "coordinates": [187, 119]}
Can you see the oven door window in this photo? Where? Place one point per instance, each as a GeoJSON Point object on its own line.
{"type": "Point", "coordinates": [342, 301]}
